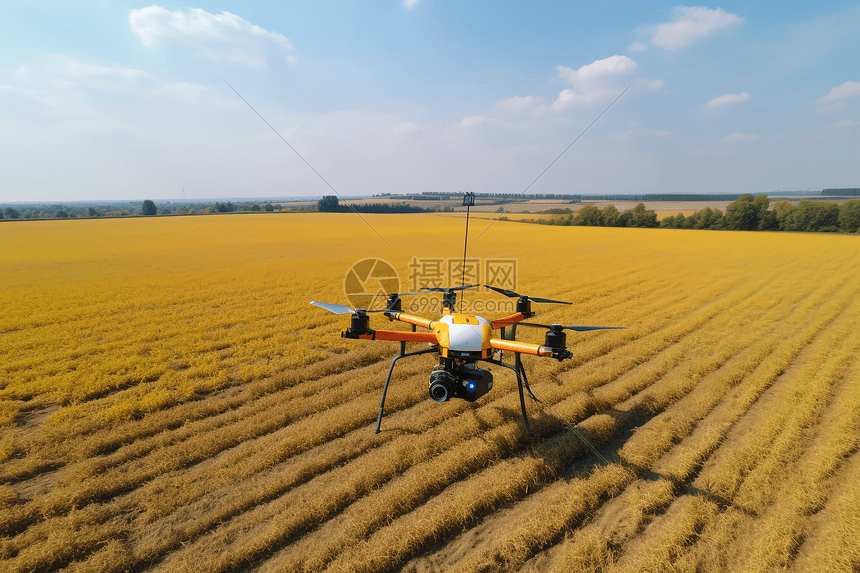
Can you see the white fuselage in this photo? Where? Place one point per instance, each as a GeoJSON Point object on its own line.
{"type": "Point", "coordinates": [465, 337]}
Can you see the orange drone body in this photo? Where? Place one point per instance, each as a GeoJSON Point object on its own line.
{"type": "Point", "coordinates": [461, 335]}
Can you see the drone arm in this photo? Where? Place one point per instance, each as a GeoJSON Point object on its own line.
{"type": "Point", "coordinates": [399, 336]}
{"type": "Point", "coordinates": [521, 347]}
{"type": "Point", "coordinates": [507, 321]}
{"type": "Point", "coordinates": [410, 319]}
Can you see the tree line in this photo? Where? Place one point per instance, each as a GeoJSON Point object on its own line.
{"type": "Point", "coordinates": [750, 213]}
{"type": "Point", "coordinates": [852, 192]}
{"type": "Point", "coordinates": [147, 208]}
{"type": "Point", "coordinates": [609, 216]}
{"type": "Point", "coordinates": [330, 204]}
{"type": "Point", "coordinates": [747, 213]}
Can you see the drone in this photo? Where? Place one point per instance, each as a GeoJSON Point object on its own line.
{"type": "Point", "coordinates": [462, 341]}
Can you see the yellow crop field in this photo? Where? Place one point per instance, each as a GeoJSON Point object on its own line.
{"type": "Point", "coordinates": [169, 401]}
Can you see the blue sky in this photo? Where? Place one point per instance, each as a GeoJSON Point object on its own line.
{"type": "Point", "coordinates": [122, 100]}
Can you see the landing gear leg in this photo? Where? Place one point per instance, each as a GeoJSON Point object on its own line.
{"type": "Point", "coordinates": [520, 386]}
{"type": "Point", "coordinates": [519, 365]}
{"type": "Point", "coordinates": [403, 354]}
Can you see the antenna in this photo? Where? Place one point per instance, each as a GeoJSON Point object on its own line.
{"type": "Point", "coordinates": [468, 201]}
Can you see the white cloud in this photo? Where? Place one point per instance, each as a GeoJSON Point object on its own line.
{"type": "Point", "coordinates": [845, 122]}
{"type": "Point", "coordinates": [599, 80]}
{"type": "Point", "coordinates": [523, 103]}
{"type": "Point", "coordinates": [740, 137]}
{"type": "Point", "coordinates": [729, 99]}
{"type": "Point", "coordinates": [692, 23]}
{"type": "Point", "coordinates": [569, 98]}
{"type": "Point", "coordinates": [636, 47]}
{"type": "Point", "coordinates": [65, 71]}
{"type": "Point", "coordinates": [848, 89]}
{"type": "Point", "coordinates": [832, 107]}
{"type": "Point", "coordinates": [88, 93]}
{"type": "Point", "coordinates": [475, 121]}
{"type": "Point", "coordinates": [479, 123]}
{"type": "Point", "coordinates": [594, 82]}
{"type": "Point", "coordinates": [410, 4]}
{"type": "Point", "coordinates": [222, 37]}
{"type": "Point", "coordinates": [597, 72]}
{"type": "Point", "coordinates": [56, 79]}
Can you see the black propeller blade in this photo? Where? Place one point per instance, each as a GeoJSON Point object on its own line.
{"type": "Point", "coordinates": [559, 328]}
{"type": "Point", "coordinates": [512, 294]}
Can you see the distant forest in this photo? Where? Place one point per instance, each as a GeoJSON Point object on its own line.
{"type": "Point", "coordinates": [85, 210]}
{"type": "Point", "coordinates": [747, 213]}
{"type": "Point", "coordinates": [330, 204]}
{"type": "Point", "coordinates": [99, 209]}
{"type": "Point", "coordinates": [852, 192]}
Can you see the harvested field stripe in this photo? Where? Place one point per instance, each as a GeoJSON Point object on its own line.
{"type": "Point", "coordinates": [677, 528]}
{"type": "Point", "coordinates": [806, 487]}
{"type": "Point", "coordinates": [347, 483]}
{"type": "Point", "coordinates": [832, 546]}
{"type": "Point", "coordinates": [734, 466]}
{"type": "Point", "coordinates": [611, 365]}
{"type": "Point", "coordinates": [60, 444]}
{"type": "Point", "coordinates": [455, 508]}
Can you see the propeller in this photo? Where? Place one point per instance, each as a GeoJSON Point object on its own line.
{"type": "Point", "coordinates": [512, 294]}
{"type": "Point", "coordinates": [393, 302]}
{"type": "Point", "coordinates": [342, 308]}
{"type": "Point", "coordinates": [559, 328]}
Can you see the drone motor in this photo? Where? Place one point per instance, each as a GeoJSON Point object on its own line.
{"type": "Point", "coordinates": [556, 339]}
